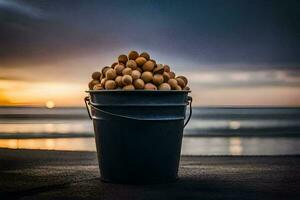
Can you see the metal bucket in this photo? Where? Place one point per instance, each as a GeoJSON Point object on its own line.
{"type": "Point", "coordinates": [138, 133]}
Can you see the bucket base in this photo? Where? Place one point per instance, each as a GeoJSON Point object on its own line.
{"type": "Point", "coordinates": [135, 182]}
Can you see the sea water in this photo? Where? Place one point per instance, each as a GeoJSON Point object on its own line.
{"type": "Point", "coordinates": [211, 131]}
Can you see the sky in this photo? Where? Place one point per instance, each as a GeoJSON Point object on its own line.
{"type": "Point", "coordinates": [234, 52]}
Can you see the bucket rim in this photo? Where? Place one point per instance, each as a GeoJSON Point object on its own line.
{"type": "Point", "coordinates": [138, 91]}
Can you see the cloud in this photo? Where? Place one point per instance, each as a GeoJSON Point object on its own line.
{"type": "Point", "coordinates": [21, 8]}
{"type": "Point", "coordinates": [251, 78]}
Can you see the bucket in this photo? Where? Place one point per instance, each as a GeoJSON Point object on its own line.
{"type": "Point", "coordinates": [138, 133]}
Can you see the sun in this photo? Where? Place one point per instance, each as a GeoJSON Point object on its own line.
{"type": "Point", "coordinates": [50, 104]}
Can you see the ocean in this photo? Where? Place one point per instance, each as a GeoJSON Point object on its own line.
{"type": "Point", "coordinates": [211, 131]}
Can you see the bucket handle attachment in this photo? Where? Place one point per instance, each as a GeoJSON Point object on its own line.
{"type": "Point", "coordinates": [189, 102]}
{"type": "Point", "coordinates": [87, 103]}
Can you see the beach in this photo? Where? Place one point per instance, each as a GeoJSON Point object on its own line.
{"type": "Point", "coordinates": [227, 153]}
{"type": "Point", "coordinates": [36, 174]}
{"type": "Point", "coordinates": [211, 131]}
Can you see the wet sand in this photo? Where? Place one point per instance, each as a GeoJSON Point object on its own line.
{"type": "Point", "coordinates": [36, 174]}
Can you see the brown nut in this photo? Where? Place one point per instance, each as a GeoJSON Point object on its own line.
{"type": "Point", "coordinates": [147, 77]}
{"type": "Point", "coordinates": [139, 83]}
{"type": "Point", "coordinates": [96, 75]}
{"type": "Point", "coordinates": [180, 82]}
{"type": "Point", "coordinates": [135, 74]}
{"type": "Point", "coordinates": [172, 74]}
{"type": "Point", "coordinates": [126, 80]}
{"type": "Point", "coordinates": [110, 74]}
{"type": "Point", "coordinates": [110, 85]}
{"type": "Point", "coordinates": [119, 81]}
{"type": "Point", "coordinates": [119, 68]}
{"type": "Point", "coordinates": [173, 83]}
{"type": "Point", "coordinates": [148, 66]}
{"type": "Point", "coordinates": [98, 87]}
{"type": "Point", "coordinates": [184, 79]}
{"type": "Point", "coordinates": [122, 58]}
{"type": "Point", "coordinates": [166, 76]}
{"type": "Point", "coordinates": [92, 83]}
{"type": "Point", "coordinates": [164, 86]}
{"type": "Point", "coordinates": [145, 55]}
{"type": "Point", "coordinates": [150, 86]}
{"type": "Point", "coordinates": [139, 69]}
{"type": "Point", "coordinates": [153, 61]}
{"type": "Point", "coordinates": [186, 88]}
{"type": "Point", "coordinates": [129, 87]}
{"type": "Point", "coordinates": [103, 82]}
{"type": "Point", "coordinates": [167, 68]}
{"type": "Point", "coordinates": [178, 87]}
{"type": "Point", "coordinates": [158, 79]}
{"type": "Point", "coordinates": [140, 61]}
{"type": "Point", "coordinates": [159, 69]}
{"type": "Point", "coordinates": [127, 71]}
{"type": "Point", "coordinates": [132, 55]}
{"type": "Point", "coordinates": [102, 76]}
{"type": "Point", "coordinates": [131, 64]}
{"type": "Point", "coordinates": [104, 69]}
{"type": "Point", "coordinates": [114, 64]}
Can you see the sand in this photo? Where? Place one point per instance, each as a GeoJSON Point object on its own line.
{"type": "Point", "coordinates": [36, 174]}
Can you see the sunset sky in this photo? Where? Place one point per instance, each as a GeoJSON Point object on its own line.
{"type": "Point", "coordinates": [233, 52]}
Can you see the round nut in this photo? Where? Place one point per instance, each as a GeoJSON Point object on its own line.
{"type": "Point", "coordinates": [113, 65]}
{"type": "Point", "coordinates": [186, 88]}
{"type": "Point", "coordinates": [158, 79]}
{"type": "Point", "coordinates": [131, 64]}
{"type": "Point", "coordinates": [164, 86]}
{"type": "Point", "coordinates": [98, 87]}
{"type": "Point", "coordinates": [135, 74]}
{"type": "Point", "coordinates": [110, 74]}
{"type": "Point", "coordinates": [166, 76]}
{"type": "Point", "coordinates": [104, 69]}
{"type": "Point", "coordinates": [180, 82]}
{"type": "Point", "coordinates": [119, 68]}
{"type": "Point", "coordinates": [147, 77]}
{"type": "Point", "coordinates": [172, 74]}
{"type": "Point", "coordinates": [139, 83]}
{"type": "Point", "coordinates": [102, 76]}
{"type": "Point", "coordinates": [148, 66]}
{"type": "Point", "coordinates": [178, 87]}
{"type": "Point", "coordinates": [140, 61]}
{"type": "Point", "coordinates": [153, 61]}
{"type": "Point", "coordinates": [92, 83]}
{"type": "Point", "coordinates": [184, 79]}
{"type": "Point", "coordinates": [127, 71]}
{"type": "Point", "coordinates": [96, 75]}
{"type": "Point", "coordinates": [150, 86]}
{"type": "Point", "coordinates": [122, 58]}
{"type": "Point", "coordinates": [119, 81]}
{"type": "Point", "coordinates": [173, 83]}
{"type": "Point", "coordinates": [159, 69]}
{"type": "Point", "coordinates": [145, 55]}
{"type": "Point", "coordinates": [167, 68]}
{"type": "Point", "coordinates": [128, 87]}
{"type": "Point", "coordinates": [110, 85]}
{"type": "Point", "coordinates": [126, 80]}
{"type": "Point", "coordinates": [132, 55]}
{"type": "Point", "coordinates": [103, 82]}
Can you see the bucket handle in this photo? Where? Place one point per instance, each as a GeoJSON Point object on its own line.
{"type": "Point", "coordinates": [87, 102]}
{"type": "Point", "coordinates": [189, 102]}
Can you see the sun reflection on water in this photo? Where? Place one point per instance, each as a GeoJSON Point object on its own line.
{"type": "Point", "coordinates": [235, 146]}
{"type": "Point", "coordinates": [70, 144]}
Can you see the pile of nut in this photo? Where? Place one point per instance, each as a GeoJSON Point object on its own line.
{"type": "Point", "coordinates": [137, 72]}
